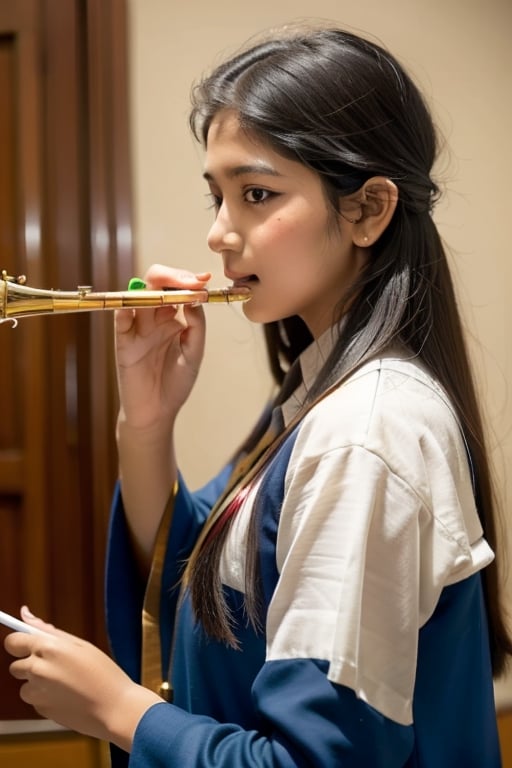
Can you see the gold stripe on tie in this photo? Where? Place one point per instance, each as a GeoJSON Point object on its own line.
{"type": "Point", "coordinates": [151, 663]}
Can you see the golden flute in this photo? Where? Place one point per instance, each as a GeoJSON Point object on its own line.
{"type": "Point", "coordinates": [19, 300]}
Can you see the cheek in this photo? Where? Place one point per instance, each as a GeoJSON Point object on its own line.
{"type": "Point", "coordinates": [274, 230]}
{"type": "Point", "coordinates": [290, 234]}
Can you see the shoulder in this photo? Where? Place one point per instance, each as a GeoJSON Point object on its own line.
{"type": "Point", "coordinates": [394, 409]}
{"type": "Point", "coordinates": [391, 426]}
{"type": "Point", "coordinates": [388, 390]}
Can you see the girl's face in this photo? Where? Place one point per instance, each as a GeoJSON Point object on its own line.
{"type": "Point", "coordinates": [275, 231]}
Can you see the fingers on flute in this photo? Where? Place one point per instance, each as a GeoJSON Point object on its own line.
{"type": "Point", "coordinates": [160, 276]}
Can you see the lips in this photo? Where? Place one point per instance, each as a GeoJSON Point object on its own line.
{"type": "Point", "coordinates": [240, 280]}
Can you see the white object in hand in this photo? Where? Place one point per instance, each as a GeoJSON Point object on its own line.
{"type": "Point", "coordinates": [19, 626]}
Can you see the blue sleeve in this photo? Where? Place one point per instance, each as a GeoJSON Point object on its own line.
{"type": "Point", "coordinates": [124, 586]}
{"type": "Point", "coordinates": [306, 721]}
{"type": "Point", "coordinates": [303, 720]}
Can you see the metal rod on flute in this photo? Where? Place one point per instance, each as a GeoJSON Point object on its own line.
{"type": "Point", "coordinates": [19, 300]}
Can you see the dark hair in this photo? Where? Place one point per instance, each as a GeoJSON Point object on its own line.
{"type": "Point", "coordinates": [345, 108]}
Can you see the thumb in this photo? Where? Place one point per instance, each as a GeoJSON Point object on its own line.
{"type": "Point", "coordinates": [28, 617]}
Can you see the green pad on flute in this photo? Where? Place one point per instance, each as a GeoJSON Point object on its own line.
{"type": "Point", "coordinates": [136, 284]}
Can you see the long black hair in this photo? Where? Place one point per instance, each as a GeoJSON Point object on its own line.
{"type": "Point", "coordinates": [345, 108]}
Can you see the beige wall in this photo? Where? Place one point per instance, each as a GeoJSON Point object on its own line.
{"type": "Point", "coordinates": [460, 52]}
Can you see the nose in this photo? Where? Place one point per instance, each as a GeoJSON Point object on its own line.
{"type": "Point", "coordinates": [223, 234]}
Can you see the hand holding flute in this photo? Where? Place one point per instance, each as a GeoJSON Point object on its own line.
{"type": "Point", "coordinates": [158, 354]}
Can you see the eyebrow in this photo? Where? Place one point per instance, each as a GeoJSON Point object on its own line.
{"type": "Point", "coordinates": [241, 170]}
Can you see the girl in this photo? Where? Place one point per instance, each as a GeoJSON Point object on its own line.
{"type": "Point", "coordinates": [332, 597]}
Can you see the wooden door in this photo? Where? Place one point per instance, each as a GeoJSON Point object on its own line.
{"type": "Point", "coordinates": [65, 220]}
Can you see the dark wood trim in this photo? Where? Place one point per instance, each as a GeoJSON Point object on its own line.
{"type": "Point", "coordinates": [66, 210]}
{"type": "Point", "coordinates": [111, 243]}
{"type": "Point", "coordinates": [26, 21]}
{"type": "Point", "coordinates": [505, 729]}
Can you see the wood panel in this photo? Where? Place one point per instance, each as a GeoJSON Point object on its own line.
{"type": "Point", "coordinates": [505, 728]}
{"type": "Point", "coordinates": [24, 565]}
{"type": "Point", "coordinates": [65, 220]}
{"type": "Point", "coordinates": [60, 750]}
{"type": "Point", "coordinates": [111, 244]}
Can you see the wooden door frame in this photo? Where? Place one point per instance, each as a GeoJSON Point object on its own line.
{"type": "Point", "coordinates": [70, 225]}
{"type": "Point", "coordinates": [94, 143]}
{"type": "Point", "coordinates": [112, 258]}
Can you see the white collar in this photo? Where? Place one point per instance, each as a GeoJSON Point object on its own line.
{"type": "Point", "coordinates": [311, 361]}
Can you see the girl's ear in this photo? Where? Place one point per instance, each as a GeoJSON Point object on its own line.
{"type": "Point", "coordinates": [376, 200]}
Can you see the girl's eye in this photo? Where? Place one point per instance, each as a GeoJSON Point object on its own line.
{"type": "Point", "coordinates": [257, 195]}
{"type": "Point", "coordinates": [253, 196]}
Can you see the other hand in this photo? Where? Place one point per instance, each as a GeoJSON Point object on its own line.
{"type": "Point", "coordinates": [72, 682]}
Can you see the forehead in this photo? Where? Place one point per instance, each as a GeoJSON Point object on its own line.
{"type": "Point", "coordinates": [232, 150]}
{"type": "Point", "coordinates": [226, 124]}
{"type": "Point", "coordinates": [225, 131]}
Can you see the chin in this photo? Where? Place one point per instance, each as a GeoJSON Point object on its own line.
{"type": "Point", "coordinates": [260, 316]}
{"type": "Point", "coordinates": [251, 313]}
